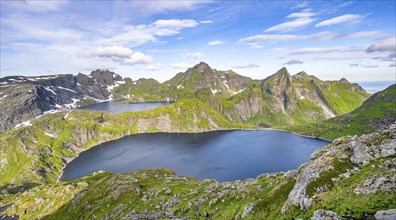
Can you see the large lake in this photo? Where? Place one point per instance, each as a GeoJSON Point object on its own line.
{"type": "Point", "coordinates": [221, 155]}
{"type": "Point", "coordinates": [116, 107]}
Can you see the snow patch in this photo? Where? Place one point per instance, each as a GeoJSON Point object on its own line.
{"type": "Point", "coordinates": [24, 124]}
{"type": "Point", "coordinates": [3, 83]}
{"type": "Point", "coordinates": [48, 134]}
{"type": "Point", "coordinates": [73, 104]}
{"type": "Point", "coordinates": [226, 85]}
{"type": "Point", "coordinates": [238, 91]}
{"type": "Point", "coordinates": [302, 97]}
{"type": "Point", "coordinates": [214, 91]}
{"type": "Point", "coordinates": [67, 89]}
{"type": "Point", "coordinates": [50, 90]}
{"type": "Point", "coordinates": [48, 77]}
{"type": "Point", "coordinates": [4, 96]}
{"type": "Point", "coordinates": [179, 86]}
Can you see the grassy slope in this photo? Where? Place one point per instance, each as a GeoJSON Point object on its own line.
{"type": "Point", "coordinates": [33, 156]}
{"type": "Point", "coordinates": [119, 195]}
{"type": "Point", "coordinates": [379, 109]}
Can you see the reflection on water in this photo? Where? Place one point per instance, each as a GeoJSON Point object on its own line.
{"type": "Point", "coordinates": [114, 107]}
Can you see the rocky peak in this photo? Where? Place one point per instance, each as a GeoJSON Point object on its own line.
{"type": "Point", "coordinates": [344, 80]}
{"type": "Point", "coordinates": [279, 81]}
{"type": "Point", "coordinates": [203, 67]}
{"type": "Point", "coordinates": [105, 76]}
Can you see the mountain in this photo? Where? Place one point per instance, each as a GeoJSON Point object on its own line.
{"type": "Point", "coordinates": [24, 98]}
{"type": "Point", "coordinates": [351, 178]}
{"type": "Point", "coordinates": [376, 112]}
{"type": "Point", "coordinates": [301, 98]}
{"type": "Point", "coordinates": [280, 99]}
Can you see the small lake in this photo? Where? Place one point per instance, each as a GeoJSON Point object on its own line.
{"type": "Point", "coordinates": [115, 107]}
{"type": "Point", "coordinates": [220, 155]}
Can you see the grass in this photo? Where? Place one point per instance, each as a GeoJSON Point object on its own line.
{"type": "Point", "coordinates": [33, 156]}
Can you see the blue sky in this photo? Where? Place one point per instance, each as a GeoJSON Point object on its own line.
{"type": "Point", "coordinates": [157, 39]}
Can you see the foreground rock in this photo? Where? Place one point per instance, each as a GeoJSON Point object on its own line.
{"type": "Point", "coordinates": [359, 151]}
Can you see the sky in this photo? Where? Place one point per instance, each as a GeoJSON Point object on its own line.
{"type": "Point", "coordinates": [157, 39]}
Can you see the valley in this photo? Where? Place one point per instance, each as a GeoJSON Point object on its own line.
{"type": "Point", "coordinates": [53, 132]}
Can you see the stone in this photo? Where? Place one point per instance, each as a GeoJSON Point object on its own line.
{"type": "Point", "coordinates": [388, 148]}
{"type": "Point", "coordinates": [389, 214]}
{"type": "Point", "coordinates": [325, 215]}
{"type": "Point", "coordinates": [247, 210]}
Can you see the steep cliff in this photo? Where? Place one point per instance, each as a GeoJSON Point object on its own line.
{"type": "Point", "coordinates": [24, 98]}
{"type": "Point", "coordinates": [376, 112]}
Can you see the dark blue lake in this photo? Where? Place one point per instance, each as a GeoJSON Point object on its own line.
{"type": "Point", "coordinates": [221, 155]}
{"type": "Point", "coordinates": [115, 107]}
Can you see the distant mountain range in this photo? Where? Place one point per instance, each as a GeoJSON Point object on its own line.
{"type": "Point", "coordinates": [280, 99]}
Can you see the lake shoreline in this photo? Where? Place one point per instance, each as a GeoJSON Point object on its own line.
{"type": "Point", "coordinates": [186, 171]}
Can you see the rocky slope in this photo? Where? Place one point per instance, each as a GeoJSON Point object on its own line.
{"type": "Point", "coordinates": [280, 99]}
{"type": "Point", "coordinates": [24, 98]}
{"type": "Point", "coordinates": [36, 153]}
{"type": "Point", "coordinates": [352, 178]}
{"type": "Point", "coordinates": [376, 112]}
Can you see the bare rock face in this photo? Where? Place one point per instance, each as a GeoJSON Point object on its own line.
{"type": "Point", "coordinates": [360, 151]}
{"type": "Point", "coordinates": [24, 98]}
{"type": "Point", "coordinates": [249, 107]}
{"type": "Point", "coordinates": [383, 183]}
{"type": "Point", "coordinates": [386, 214]}
{"type": "Point", "coordinates": [325, 215]}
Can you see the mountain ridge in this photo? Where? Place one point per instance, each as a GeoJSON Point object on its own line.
{"type": "Point", "coordinates": [279, 99]}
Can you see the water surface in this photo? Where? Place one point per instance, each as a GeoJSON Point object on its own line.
{"type": "Point", "coordinates": [115, 107]}
{"type": "Point", "coordinates": [221, 155]}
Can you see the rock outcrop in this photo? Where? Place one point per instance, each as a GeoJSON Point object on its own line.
{"type": "Point", "coordinates": [359, 151]}
{"type": "Point", "coordinates": [24, 98]}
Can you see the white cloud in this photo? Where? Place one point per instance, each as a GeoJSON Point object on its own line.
{"type": "Point", "coordinates": [293, 61]}
{"type": "Point", "coordinates": [138, 58]}
{"type": "Point", "coordinates": [363, 65]}
{"type": "Point", "coordinates": [246, 66]}
{"type": "Point", "coordinates": [114, 51]}
{"type": "Point", "coordinates": [181, 65]}
{"type": "Point", "coordinates": [361, 34]}
{"type": "Point", "coordinates": [319, 50]}
{"type": "Point", "coordinates": [134, 36]}
{"type": "Point", "coordinates": [123, 55]}
{"type": "Point", "coordinates": [348, 18]}
{"type": "Point", "coordinates": [153, 67]}
{"type": "Point", "coordinates": [255, 41]}
{"type": "Point", "coordinates": [370, 66]}
{"type": "Point", "coordinates": [216, 42]}
{"type": "Point", "coordinates": [301, 5]}
{"type": "Point", "coordinates": [175, 24]}
{"type": "Point", "coordinates": [291, 25]}
{"type": "Point", "coordinates": [206, 22]}
{"type": "Point", "coordinates": [195, 56]}
{"type": "Point", "coordinates": [37, 6]}
{"type": "Point", "coordinates": [302, 14]}
{"type": "Point", "coordinates": [150, 7]}
{"type": "Point", "coordinates": [387, 44]}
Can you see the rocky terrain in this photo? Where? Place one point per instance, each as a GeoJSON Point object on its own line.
{"type": "Point", "coordinates": [24, 98]}
{"type": "Point", "coordinates": [376, 112]}
{"type": "Point", "coordinates": [352, 178]}
{"type": "Point", "coordinates": [280, 99]}
{"type": "Point", "coordinates": [37, 153]}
